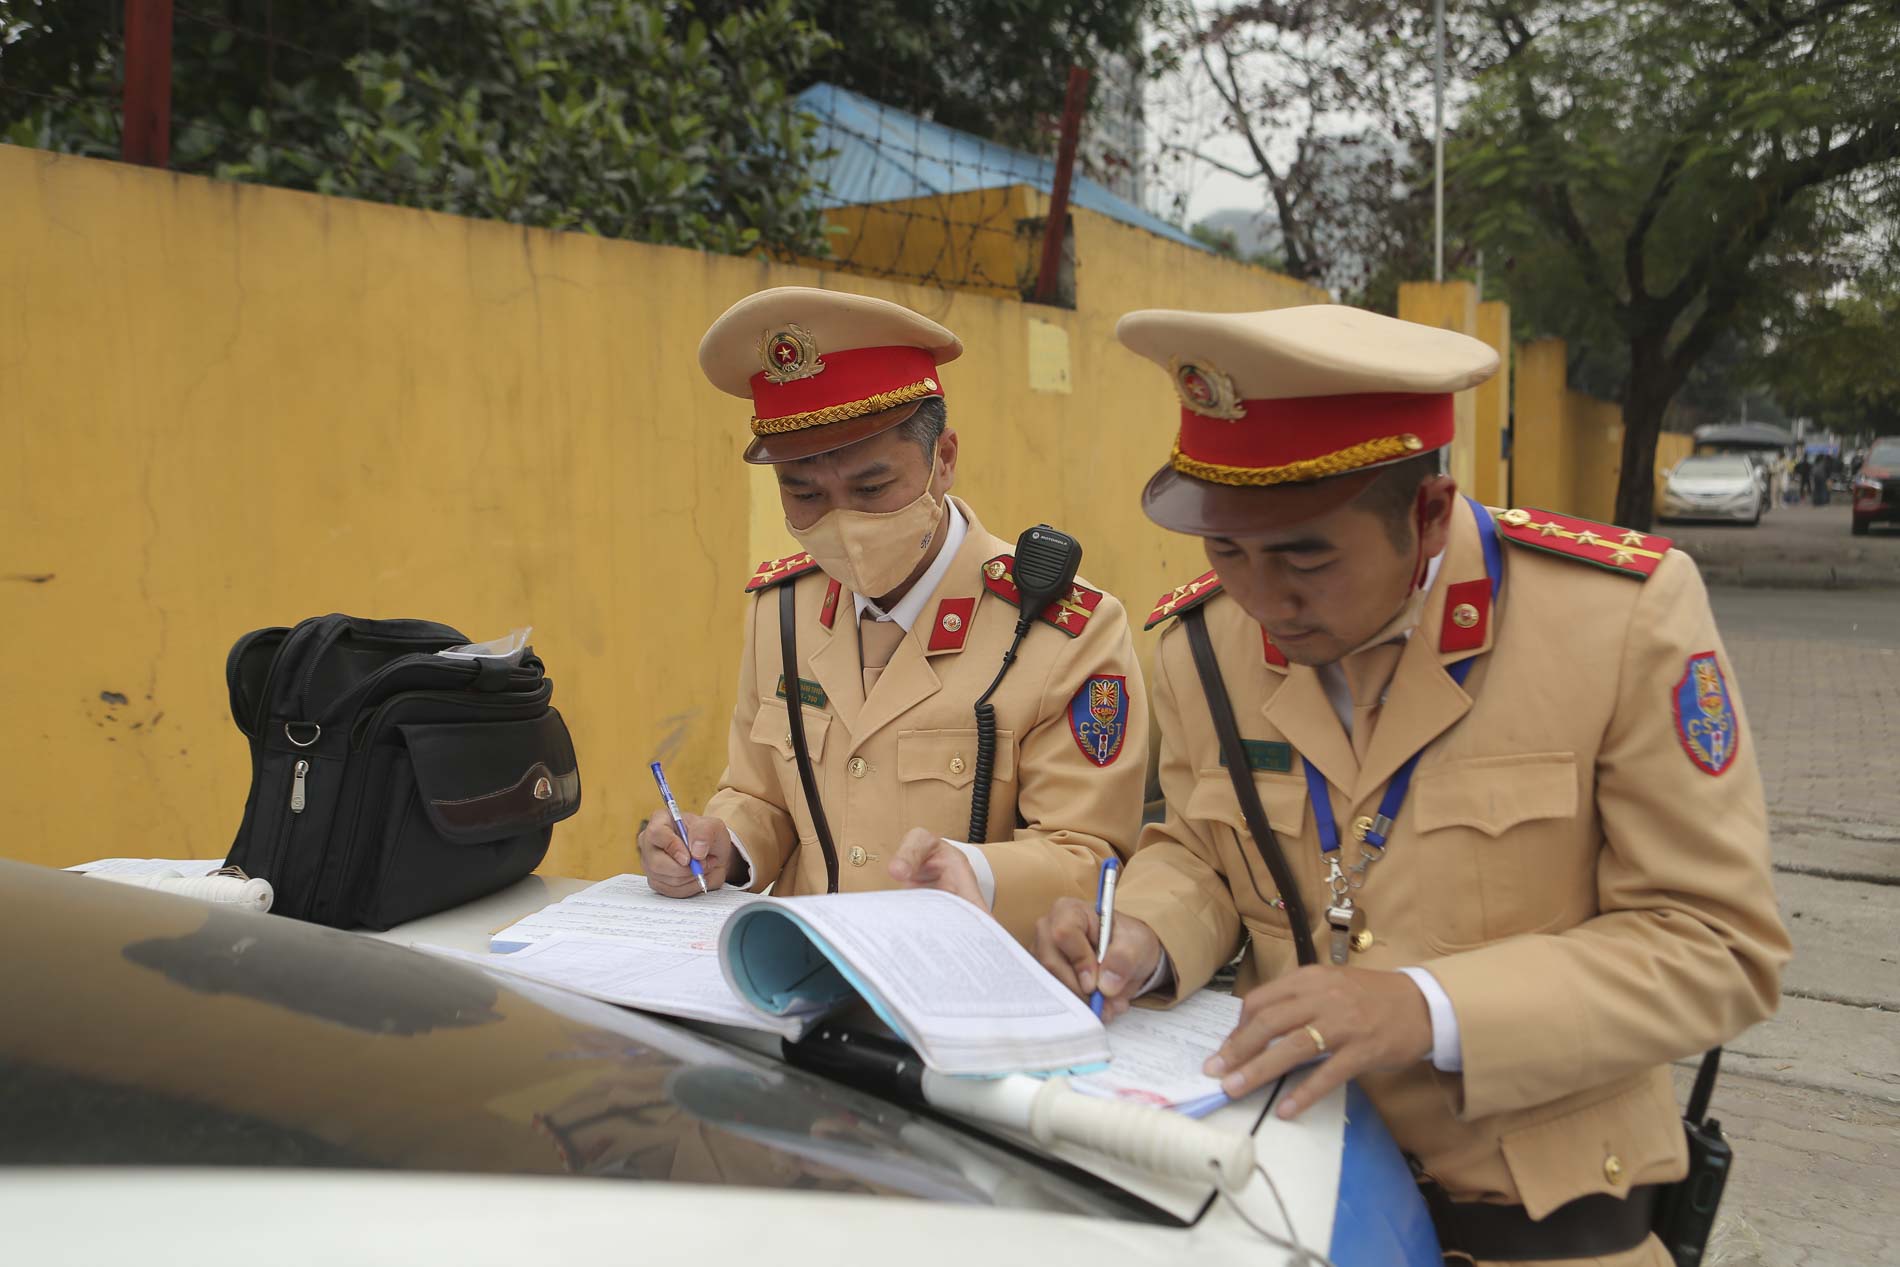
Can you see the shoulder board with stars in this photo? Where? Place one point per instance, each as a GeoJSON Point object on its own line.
{"type": "Point", "coordinates": [1069, 613]}
{"type": "Point", "coordinates": [777, 571]}
{"type": "Point", "coordinates": [1621, 550]}
{"type": "Point", "coordinates": [1184, 598]}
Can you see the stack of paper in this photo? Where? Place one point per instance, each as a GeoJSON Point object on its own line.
{"type": "Point", "coordinates": [186, 867]}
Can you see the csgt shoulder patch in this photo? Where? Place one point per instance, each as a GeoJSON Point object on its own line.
{"type": "Point", "coordinates": [1705, 715]}
{"type": "Point", "coordinates": [1098, 718]}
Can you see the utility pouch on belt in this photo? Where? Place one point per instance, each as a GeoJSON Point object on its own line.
{"type": "Point", "coordinates": [389, 782]}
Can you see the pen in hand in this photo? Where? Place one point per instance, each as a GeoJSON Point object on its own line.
{"type": "Point", "coordinates": [1105, 911]}
{"type": "Point", "coordinates": [679, 825]}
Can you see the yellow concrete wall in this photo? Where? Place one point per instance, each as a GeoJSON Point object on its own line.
{"type": "Point", "coordinates": [1491, 410]}
{"type": "Point", "coordinates": [1450, 306]}
{"type": "Point", "coordinates": [1596, 439]}
{"type": "Point", "coordinates": [230, 406]}
{"type": "Point", "coordinates": [1542, 471]}
{"type": "Point", "coordinates": [968, 240]}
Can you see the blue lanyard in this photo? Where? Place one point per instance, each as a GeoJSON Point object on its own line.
{"type": "Point", "coordinates": [1316, 790]}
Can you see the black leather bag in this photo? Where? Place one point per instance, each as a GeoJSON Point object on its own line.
{"type": "Point", "coordinates": [389, 782]}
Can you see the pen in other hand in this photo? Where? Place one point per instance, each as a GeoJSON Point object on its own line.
{"type": "Point", "coordinates": [679, 825]}
{"type": "Point", "coordinates": [1105, 912]}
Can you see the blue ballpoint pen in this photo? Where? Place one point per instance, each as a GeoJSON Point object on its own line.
{"type": "Point", "coordinates": [1105, 910]}
{"type": "Point", "coordinates": [679, 825]}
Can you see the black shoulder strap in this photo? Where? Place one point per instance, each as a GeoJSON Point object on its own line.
{"type": "Point", "coordinates": [1704, 1086]}
{"type": "Point", "coordinates": [795, 711]}
{"type": "Point", "coordinates": [1222, 710]}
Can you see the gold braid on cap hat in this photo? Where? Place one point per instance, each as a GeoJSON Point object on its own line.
{"type": "Point", "coordinates": [1345, 461]}
{"type": "Point", "coordinates": [846, 411]}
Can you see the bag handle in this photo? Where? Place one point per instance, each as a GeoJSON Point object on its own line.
{"type": "Point", "coordinates": [795, 713]}
{"type": "Point", "coordinates": [1255, 815]}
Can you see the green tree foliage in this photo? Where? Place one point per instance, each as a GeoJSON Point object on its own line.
{"type": "Point", "coordinates": [997, 68]}
{"type": "Point", "coordinates": [627, 118]}
{"type": "Point", "coordinates": [1660, 176]}
{"type": "Point", "coordinates": [1836, 362]}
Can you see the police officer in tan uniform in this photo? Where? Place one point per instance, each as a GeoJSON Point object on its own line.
{"type": "Point", "coordinates": [905, 605]}
{"type": "Point", "coordinates": [1505, 761]}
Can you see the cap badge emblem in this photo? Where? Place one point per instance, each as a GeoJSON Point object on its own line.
{"type": "Point", "coordinates": [788, 354]}
{"type": "Point", "coordinates": [1205, 390]}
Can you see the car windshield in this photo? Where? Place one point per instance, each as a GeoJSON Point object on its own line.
{"type": "Point", "coordinates": [1884, 453]}
{"type": "Point", "coordinates": [1712, 465]}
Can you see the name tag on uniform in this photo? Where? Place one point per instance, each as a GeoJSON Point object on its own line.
{"type": "Point", "coordinates": [813, 695]}
{"type": "Point", "coordinates": [1266, 754]}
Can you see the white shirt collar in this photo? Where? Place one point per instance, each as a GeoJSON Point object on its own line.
{"type": "Point", "coordinates": [911, 606]}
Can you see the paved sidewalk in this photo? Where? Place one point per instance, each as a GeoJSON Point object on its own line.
{"type": "Point", "coordinates": [1811, 1098]}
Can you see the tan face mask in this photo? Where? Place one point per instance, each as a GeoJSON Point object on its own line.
{"type": "Point", "coordinates": [872, 554]}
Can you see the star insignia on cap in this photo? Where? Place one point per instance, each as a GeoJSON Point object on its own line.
{"type": "Point", "coordinates": [1205, 390]}
{"type": "Point", "coordinates": [789, 353]}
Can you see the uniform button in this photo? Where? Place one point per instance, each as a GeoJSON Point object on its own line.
{"type": "Point", "coordinates": [1613, 1168]}
{"type": "Point", "coordinates": [858, 766]}
{"type": "Point", "coordinates": [956, 764]}
{"type": "Point", "coordinates": [1362, 940]}
{"type": "Point", "coordinates": [858, 855]}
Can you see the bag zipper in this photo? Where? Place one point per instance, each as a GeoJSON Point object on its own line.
{"type": "Point", "coordinates": [297, 776]}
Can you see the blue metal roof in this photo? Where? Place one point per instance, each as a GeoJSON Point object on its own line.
{"type": "Point", "coordinates": [882, 154]}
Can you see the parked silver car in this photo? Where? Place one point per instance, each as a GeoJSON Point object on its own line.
{"type": "Point", "coordinates": [1713, 486]}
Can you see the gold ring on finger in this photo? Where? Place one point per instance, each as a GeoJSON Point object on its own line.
{"type": "Point", "coordinates": [1319, 1042]}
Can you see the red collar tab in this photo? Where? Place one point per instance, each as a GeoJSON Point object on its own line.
{"type": "Point", "coordinates": [1621, 550]}
{"type": "Point", "coordinates": [777, 571]}
{"type": "Point", "coordinates": [1274, 656]}
{"type": "Point", "coordinates": [1467, 616]}
{"type": "Point", "coordinates": [829, 611]}
{"type": "Point", "coordinates": [951, 624]}
{"type": "Point", "coordinates": [1070, 614]}
{"type": "Point", "coordinates": [1184, 598]}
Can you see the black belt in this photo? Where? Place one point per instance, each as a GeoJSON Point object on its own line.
{"type": "Point", "coordinates": [1589, 1227]}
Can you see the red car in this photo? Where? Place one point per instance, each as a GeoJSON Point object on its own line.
{"type": "Point", "coordinates": [1877, 487]}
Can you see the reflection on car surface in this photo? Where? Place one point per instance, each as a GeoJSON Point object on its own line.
{"type": "Point", "coordinates": [1720, 486]}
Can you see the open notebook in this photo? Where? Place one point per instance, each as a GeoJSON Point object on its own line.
{"type": "Point", "coordinates": [939, 972]}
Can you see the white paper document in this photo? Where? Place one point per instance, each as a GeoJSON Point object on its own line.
{"type": "Point", "coordinates": [188, 868]}
{"type": "Point", "coordinates": [626, 908]}
{"type": "Point", "coordinates": [1155, 1056]}
{"type": "Point", "coordinates": [651, 978]}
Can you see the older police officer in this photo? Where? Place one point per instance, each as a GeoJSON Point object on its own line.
{"type": "Point", "coordinates": [1506, 766]}
{"type": "Point", "coordinates": [904, 605]}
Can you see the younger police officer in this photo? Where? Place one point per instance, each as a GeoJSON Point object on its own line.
{"type": "Point", "coordinates": [1504, 758]}
{"type": "Point", "coordinates": [904, 605]}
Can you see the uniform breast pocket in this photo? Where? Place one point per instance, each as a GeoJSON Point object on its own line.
{"type": "Point", "coordinates": [1504, 847]}
{"type": "Point", "coordinates": [772, 728]}
{"type": "Point", "coordinates": [935, 771]}
{"type": "Point", "coordinates": [1213, 806]}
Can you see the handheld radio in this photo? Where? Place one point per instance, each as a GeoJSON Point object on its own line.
{"type": "Point", "coordinates": [1045, 567]}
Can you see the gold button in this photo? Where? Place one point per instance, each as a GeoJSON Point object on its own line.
{"type": "Point", "coordinates": [994, 569]}
{"type": "Point", "coordinates": [930, 384]}
{"type": "Point", "coordinates": [858, 855]}
{"type": "Point", "coordinates": [1361, 828]}
{"type": "Point", "coordinates": [1613, 1168]}
{"type": "Point", "coordinates": [858, 766]}
{"type": "Point", "coordinates": [956, 764]}
{"type": "Point", "coordinates": [1515, 518]}
{"type": "Point", "coordinates": [1362, 940]}
{"type": "Point", "coordinates": [1464, 615]}
{"type": "Point", "coordinates": [952, 622]}
{"type": "Point", "coordinates": [1412, 443]}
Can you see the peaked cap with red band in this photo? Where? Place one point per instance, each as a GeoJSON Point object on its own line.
{"type": "Point", "coordinates": [823, 368]}
{"type": "Point", "coordinates": [1289, 413]}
